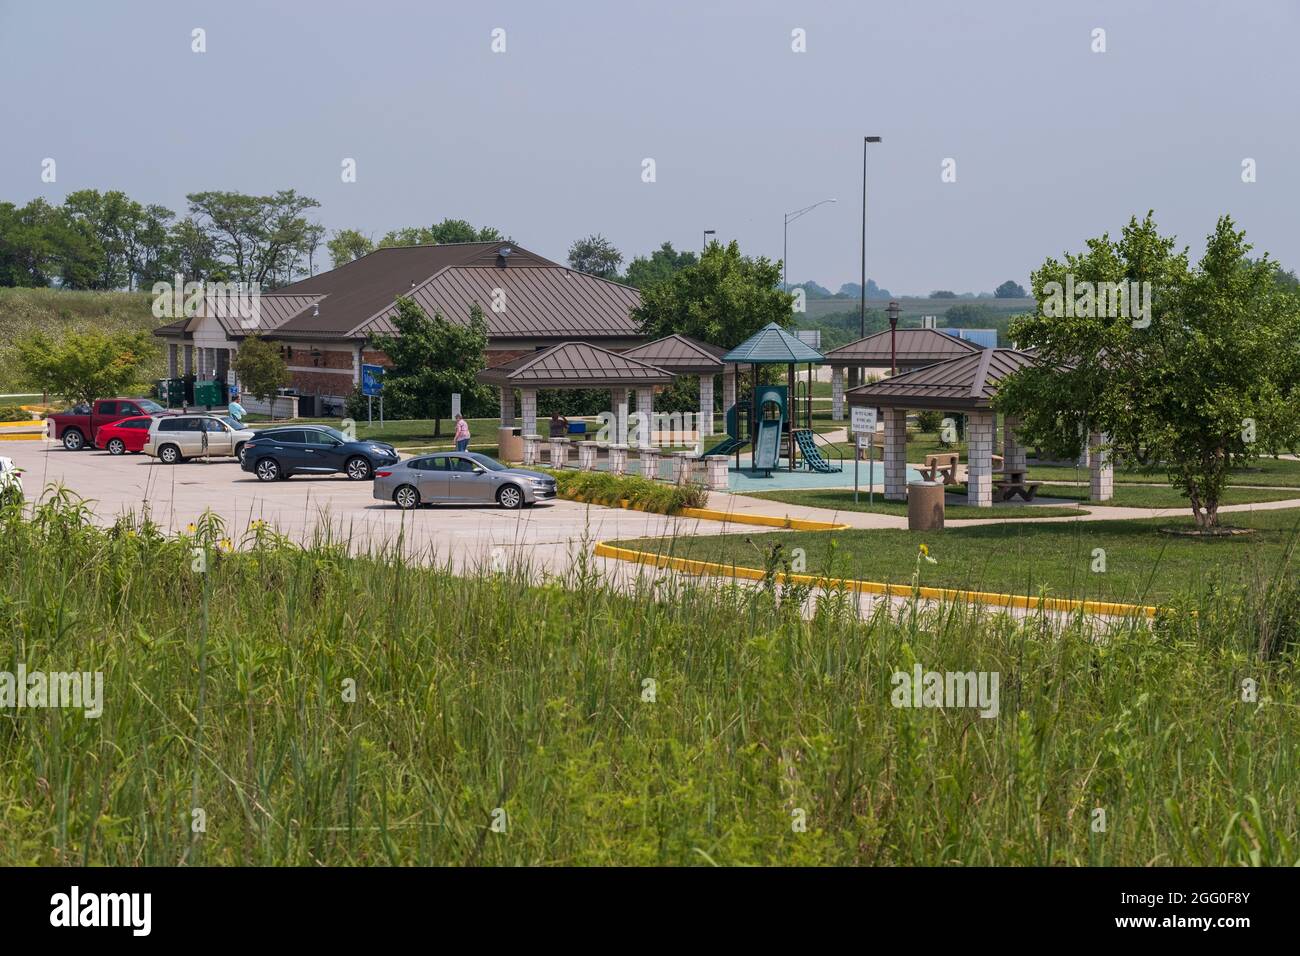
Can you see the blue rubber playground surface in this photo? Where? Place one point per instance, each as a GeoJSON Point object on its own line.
{"type": "Point", "coordinates": [743, 480]}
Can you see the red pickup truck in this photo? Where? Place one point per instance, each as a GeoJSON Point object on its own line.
{"type": "Point", "coordinates": [76, 427]}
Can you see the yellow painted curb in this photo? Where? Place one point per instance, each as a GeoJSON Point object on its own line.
{"type": "Point", "coordinates": [708, 514]}
{"type": "Point", "coordinates": [24, 436]}
{"type": "Point", "coordinates": [1109, 608]}
{"type": "Point", "coordinates": [29, 421]}
{"type": "Point", "coordinates": [770, 521]}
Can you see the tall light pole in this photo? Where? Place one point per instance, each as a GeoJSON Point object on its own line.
{"type": "Point", "coordinates": [785, 237]}
{"type": "Point", "coordinates": [862, 301]}
{"type": "Point", "coordinates": [892, 311]}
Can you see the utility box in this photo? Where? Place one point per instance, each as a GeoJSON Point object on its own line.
{"type": "Point", "coordinates": [510, 444]}
{"type": "Point", "coordinates": [210, 393]}
{"type": "Point", "coordinates": [925, 506]}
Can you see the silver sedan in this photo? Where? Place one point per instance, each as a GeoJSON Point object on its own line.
{"type": "Point", "coordinates": [460, 478]}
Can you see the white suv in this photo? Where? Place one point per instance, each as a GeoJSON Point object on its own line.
{"type": "Point", "coordinates": [173, 438]}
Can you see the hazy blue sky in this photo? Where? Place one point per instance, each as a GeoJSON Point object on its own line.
{"type": "Point", "coordinates": [1053, 143]}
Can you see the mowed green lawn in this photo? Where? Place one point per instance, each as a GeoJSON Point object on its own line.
{"type": "Point", "coordinates": [1142, 565]}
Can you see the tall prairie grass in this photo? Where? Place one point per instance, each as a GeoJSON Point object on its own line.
{"type": "Point", "coordinates": [662, 723]}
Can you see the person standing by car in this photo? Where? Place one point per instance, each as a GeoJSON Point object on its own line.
{"type": "Point", "coordinates": [236, 411]}
{"type": "Point", "coordinates": [462, 433]}
{"type": "Point", "coordinates": [559, 425]}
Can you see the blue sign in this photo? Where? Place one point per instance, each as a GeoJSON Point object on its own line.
{"type": "Point", "coordinates": [372, 379]}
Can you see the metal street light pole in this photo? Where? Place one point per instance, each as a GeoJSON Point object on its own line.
{"type": "Point", "coordinates": [862, 301]}
{"type": "Point", "coordinates": [893, 328]}
{"type": "Point", "coordinates": [785, 238]}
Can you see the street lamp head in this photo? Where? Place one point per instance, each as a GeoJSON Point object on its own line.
{"type": "Point", "coordinates": [872, 139]}
{"type": "Point", "coordinates": [892, 311]}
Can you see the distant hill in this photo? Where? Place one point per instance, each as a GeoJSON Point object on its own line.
{"type": "Point", "coordinates": [838, 319]}
{"type": "Point", "coordinates": [23, 311]}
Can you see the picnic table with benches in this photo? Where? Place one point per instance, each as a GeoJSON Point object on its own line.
{"type": "Point", "coordinates": [1015, 484]}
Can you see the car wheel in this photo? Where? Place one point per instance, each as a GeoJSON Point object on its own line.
{"type": "Point", "coordinates": [116, 446]}
{"type": "Point", "coordinates": [268, 469]}
{"type": "Point", "coordinates": [239, 452]}
{"type": "Point", "coordinates": [73, 440]}
{"type": "Point", "coordinates": [358, 469]}
{"type": "Point", "coordinates": [406, 497]}
{"type": "Point", "coordinates": [169, 454]}
{"type": "Point", "coordinates": [510, 497]}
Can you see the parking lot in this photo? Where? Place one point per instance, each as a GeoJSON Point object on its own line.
{"type": "Point", "coordinates": [547, 535]}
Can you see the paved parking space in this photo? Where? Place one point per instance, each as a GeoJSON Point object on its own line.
{"type": "Point", "coordinates": [548, 535]}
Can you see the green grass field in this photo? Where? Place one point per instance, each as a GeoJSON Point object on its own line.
{"type": "Point", "coordinates": [839, 499]}
{"type": "Point", "coordinates": [1142, 565]}
{"type": "Point", "coordinates": [688, 726]}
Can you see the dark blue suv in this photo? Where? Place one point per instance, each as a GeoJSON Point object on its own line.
{"type": "Point", "coordinates": [277, 453]}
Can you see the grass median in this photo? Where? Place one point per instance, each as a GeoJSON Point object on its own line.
{"type": "Point", "coordinates": [1141, 565]}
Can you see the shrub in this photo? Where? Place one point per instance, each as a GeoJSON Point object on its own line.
{"type": "Point", "coordinates": [602, 488]}
{"type": "Point", "coordinates": [13, 413]}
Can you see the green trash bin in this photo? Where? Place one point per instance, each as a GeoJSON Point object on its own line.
{"type": "Point", "coordinates": [209, 393]}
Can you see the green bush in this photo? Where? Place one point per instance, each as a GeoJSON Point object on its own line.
{"type": "Point", "coordinates": [602, 488]}
{"type": "Point", "coordinates": [13, 413]}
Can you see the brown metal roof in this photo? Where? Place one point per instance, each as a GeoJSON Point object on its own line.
{"type": "Point", "coordinates": [574, 365]}
{"type": "Point", "coordinates": [550, 302]}
{"type": "Point", "coordinates": [962, 383]}
{"type": "Point", "coordinates": [681, 354]}
{"type": "Point", "coordinates": [913, 347]}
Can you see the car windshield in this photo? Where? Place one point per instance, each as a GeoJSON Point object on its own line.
{"type": "Point", "coordinates": [332, 432]}
{"type": "Point", "coordinates": [490, 464]}
{"type": "Point", "coordinates": [148, 407]}
{"type": "Point", "coordinates": [233, 424]}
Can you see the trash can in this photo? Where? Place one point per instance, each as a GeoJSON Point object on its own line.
{"type": "Point", "coordinates": [925, 506]}
{"type": "Point", "coordinates": [510, 443]}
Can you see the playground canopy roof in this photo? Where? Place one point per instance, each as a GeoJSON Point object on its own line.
{"type": "Point", "coordinates": [964, 384]}
{"type": "Point", "coordinates": [773, 345]}
{"type": "Point", "coordinates": [680, 354]}
{"type": "Point", "coordinates": [913, 347]}
{"type": "Point", "coordinates": [574, 365]}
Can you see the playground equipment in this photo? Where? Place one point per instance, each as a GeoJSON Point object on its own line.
{"type": "Point", "coordinates": [769, 425]}
{"type": "Point", "coordinates": [811, 454]}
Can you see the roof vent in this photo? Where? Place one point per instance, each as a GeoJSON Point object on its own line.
{"type": "Point", "coordinates": [504, 254]}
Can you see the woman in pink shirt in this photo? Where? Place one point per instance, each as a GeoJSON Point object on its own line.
{"type": "Point", "coordinates": [462, 433]}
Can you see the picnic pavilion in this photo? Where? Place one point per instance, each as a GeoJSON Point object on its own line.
{"type": "Point", "coordinates": [909, 349]}
{"type": "Point", "coordinates": [683, 355]}
{"type": "Point", "coordinates": [575, 365]}
{"type": "Point", "coordinates": [965, 385]}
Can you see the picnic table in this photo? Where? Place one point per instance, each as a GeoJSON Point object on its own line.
{"type": "Point", "coordinates": [941, 465]}
{"type": "Point", "coordinates": [1015, 484]}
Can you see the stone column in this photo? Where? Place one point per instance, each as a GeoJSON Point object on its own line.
{"type": "Point", "coordinates": [681, 470]}
{"type": "Point", "coordinates": [173, 360]}
{"type": "Point", "coordinates": [649, 458]}
{"type": "Point", "coordinates": [189, 360]}
{"type": "Point", "coordinates": [837, 394]}
{"type": "Point", "coordinates": [706, 406]}
{"type": "Point", "coordinates": [529, 396]}
{"type": "Point", "coordinates": [587, 455]}
{"type": "Point", "coordinates": [728, 387]}
{"type": "Point", "coordinates": [507, 405]}
{"type": "Point", "coordinates": [559, 452]}
{"type": "Point", "coordinates": [1013, 453]}
{"type": "Point", "coordinates": [979, 470]}
{"type": "Point", "coordinates": [716, 466]}
{"type": "Point", "coordinates": [618, 406]}
{"type": "Point", "coordinates": [618, 459]}
{"type": "Point", "coordinates": [895, 454]}
{"type": "Point", "coordinates": [532, 449]}
{"type": "Point", "coordinates": [1101, 473]}
{"type": "Point", "coordinates": [645, 406]}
